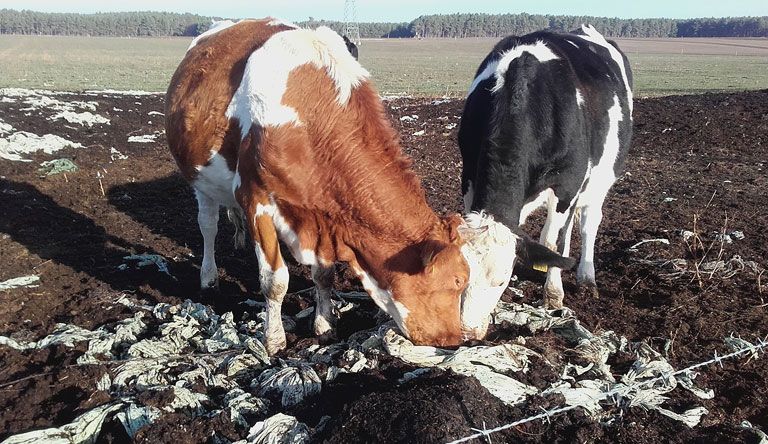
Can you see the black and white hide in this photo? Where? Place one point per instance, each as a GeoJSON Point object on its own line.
{"type": "Point", "coordinates": [547, 122]}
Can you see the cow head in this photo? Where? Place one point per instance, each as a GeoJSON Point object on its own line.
{"type": "Point", "coordinates": [430, 292]}
{"type": "Point", "coordinates": [491, 249]}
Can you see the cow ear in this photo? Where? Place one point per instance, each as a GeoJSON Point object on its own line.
{"type": "Point", "coordinates": [468, 234]}
{"type": "Point", "coordinates": [453, 224]}
{"type": "Point", "coordinates": [538, 256]}
{"type": "Point", "coordinates": [428, 252]}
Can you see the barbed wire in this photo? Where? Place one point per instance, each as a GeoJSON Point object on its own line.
{"type": "Point", "coordinates": [620, 391]}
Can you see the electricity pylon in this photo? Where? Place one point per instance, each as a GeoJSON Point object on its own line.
{"type": "Point", "coordinates": [351, 27]}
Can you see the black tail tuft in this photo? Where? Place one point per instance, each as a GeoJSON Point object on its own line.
{"type": "Point", "coordinates": [236, 216]}
{"type": "Point", "coordinates": [351, 47]}
{"type": "Point", "coordinates": [537, 256]}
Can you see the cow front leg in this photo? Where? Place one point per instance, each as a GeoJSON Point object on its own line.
{"type": "Point", "coordinates": [324, 316]}
{"type": "Point", "coordinates": [273, 274]}
{"type": "Point", "coordinates": [208, 221]}
{"type": "Point", "coordinates": [274, 285]}
{"type": "Point", "coordinates": [556, 235]}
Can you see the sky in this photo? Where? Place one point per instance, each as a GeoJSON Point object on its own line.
{"type": "Point", "coordinates": [407, 10]}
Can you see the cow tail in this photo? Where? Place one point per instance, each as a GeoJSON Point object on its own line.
{"type": "Point", "coordinates": [236, 216]}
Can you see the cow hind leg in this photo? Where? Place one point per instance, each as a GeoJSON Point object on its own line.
{"type": "Point", "coordinates": [208, 221]}
{"type": "Point", "coordinates": [591, 216]}
{"type": "Point", "coordinates": [324, 316]}
{"type": "Point", "coordinates": [556, 235]}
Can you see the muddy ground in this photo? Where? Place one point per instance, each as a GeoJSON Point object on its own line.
{"type": "Point", "coordinates": [696, 172]}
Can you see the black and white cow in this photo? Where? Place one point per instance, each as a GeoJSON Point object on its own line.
{"type": "Point", "coordinates": [548, 121]}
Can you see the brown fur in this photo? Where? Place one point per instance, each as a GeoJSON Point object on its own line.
{"type": "Point", "coordinates": [339, 179]}
{"type": "Point", "coordinates": [200, 91]}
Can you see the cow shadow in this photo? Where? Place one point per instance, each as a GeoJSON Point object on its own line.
{"type": "Point", "coordinates": [168, 209]}
{"type": "Point", "coordinates": [64, 236]}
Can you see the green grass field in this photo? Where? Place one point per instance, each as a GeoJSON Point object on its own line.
{"type": "Point", "coordinates": [430, 67]}
{"type": "Point", "coordinates": [668, 74]}
{"type": "Point", "coordinates": [79, 63]}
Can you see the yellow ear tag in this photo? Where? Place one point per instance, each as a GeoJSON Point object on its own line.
{"type": "Point", "coordinates": [428, 260]}
{"type": "Point", "coordinates": [541, 267]}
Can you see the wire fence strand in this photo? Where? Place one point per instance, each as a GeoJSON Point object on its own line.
{"type": "Point", "coordinates": [617, 391]}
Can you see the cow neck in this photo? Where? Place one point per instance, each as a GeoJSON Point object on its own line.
{"type": "Point", "coordinates": [353, 161]}
{"type": "Point", "coordinates": [503, 172]}
{"type": "Point", "coordinates": [399, 221]}
{"type": "Point", "coordinates": [502, 199]}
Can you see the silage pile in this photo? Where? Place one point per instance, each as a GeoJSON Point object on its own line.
{"type": "Point", "coordinates": [186, 347]}
{"type": "Point", "coordinates": [18, 145]}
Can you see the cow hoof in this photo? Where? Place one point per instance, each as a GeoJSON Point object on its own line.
{"type": "Point", "coordinates": [328, 337]}
{"type": "Point", "coordinates": [273, 347]}
{"type": "Point", "coordinates": [553, 299]}
{"type": "Point", "coordinates": [589, 291]}
{"type": "Point", "coordinates": [210, 284]}
{"type": "Point", "coordinates": [323, 326]}
{"type": "Point", "coordinates": [553, 302]}
{"type": "Point", "coordinates": [553, 305]}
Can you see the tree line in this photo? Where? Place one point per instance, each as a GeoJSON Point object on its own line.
{"type": "Point", "coordinates": [500, 25]}
{"type": "Point", "coordinates": [113, 24]}
{"type": "Point", "coordinates": [166, 24]}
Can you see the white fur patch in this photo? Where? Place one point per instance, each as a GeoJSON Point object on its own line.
{"type": "Point", "coordinates": [384, 299]}
{"type": "Point", "coordinates": [555, 222]}
{"type": "Point", "coordinates": [286, 233]}
{"type": "Point", "coordinates": [402, 313]}
{"type": "Point", "coordinates": [595, 37]}
{"type": "Point", "coordinates": [258, 99]}
{"type": "Point", "coordinates": [490, 252]}
{"type": "Point", "coordinates": [536, 203]}
{"type": "Point", "coordinates": [476, 305]}
{"type": "Point", "coordinates": [274, 331]}
{"type": "Point", "coordinates": [579, 98]}
{"type": "Point", "coordinates": [276, 277]}
{"type": "Point", "coordinates": [274, 284]}
{"type": "Point", "coordinates": [215, 180]}
{"type": "Point", "coordinates": [213, 29]}
{"type": "Point", "coordinates": [208, 220]}
{"type": "Point", "coordinates": [539, 50]}
{"type": "Point", "coordinates": [601, 176]}
{"type": "Point", "coordinates": [469, 197]}
{"type": "Point", "coordinates": [237, 182]}
{"type": "Point", "coordinates": [281, 22]}
{"type": "Point", "coordinates": [489, 71]}
{"type": "Point", "coordinates": [333, 55]}
{"type": "Point", "coordinates": [323, 262]}
{"type": "Point", "coordinates": [261, 210]}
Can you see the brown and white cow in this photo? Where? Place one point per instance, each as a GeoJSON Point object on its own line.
{"type": "Point", "coordinates": [284, 124]}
